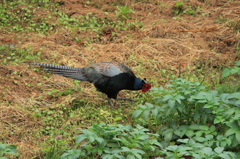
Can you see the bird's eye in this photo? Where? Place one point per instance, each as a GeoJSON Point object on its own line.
{"type": "Point", "coordinates": [144, 80]}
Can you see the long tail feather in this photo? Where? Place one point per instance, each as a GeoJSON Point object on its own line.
{"type": "Point", "coordinates": [66, 71]}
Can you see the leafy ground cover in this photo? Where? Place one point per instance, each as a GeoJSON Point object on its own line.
{"type": "Point", "coordinates": [187, 49]}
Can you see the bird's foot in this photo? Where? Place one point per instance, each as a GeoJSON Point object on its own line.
{"type": "Point", "coordinates": [110, 102]}
{"type": "Point", "coordinates": [118, 98]}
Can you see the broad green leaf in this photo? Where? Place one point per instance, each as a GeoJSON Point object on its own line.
{"type": "Point", "coordinates": [204, 117]}
{"type": "Point", "coordinates": [10, 153]}
{"type": "Point", "coordinates": [190, 133]}
{"type": "Point", "coordinates": [155, 112]}
{"type": "Point", "coordinates": [72, 154]}
{"type": "Point", "coordinates": [229, 112]}
{"type": "Point", "coordinates": [212, 128]}
{"type": "Point", "coordinates": [183, 140]}
{"type": "Point", "coordinates": [203, 127]}
{"type": "Point", "coordinates": [219, 149]}
{"type": "Point", "coordinates": [178, 100]}
{"type": "Point", "coordinates": [137, 113]}
{"type": "Point", "coordinates": [236, 117]}
{"type": "Point", "coordinates": [80, 138]}
{"type": "Point", "coordinates": [91, 138]}
{"type": "Point", "coordinates": [199, 139]}
{"type": "Point", "coordinates": [178, 133]}
{"type": "Point", "coordinates": [142, 107]}
{"type": "Point", "coordinates": [2, 146]}
{"type": "Point", "coordinates": [167, 97]}
{"type": "Point", "coordinates": [209, 97]}
{"type": "Point", "coordinates": [237, 102]}
{"type": "Point", "coordinates": [169, 85]}
{"type": "Point", "coordinates": [146, 114]}
{"type": "Point", "coordinates": [99, 140]}
{"type": "Point", "coordinates": [208, 106]}
{"type": "Point", "coordinates": [172, 148]}
{"type": "Point", "coordinates": [180, 108]}
{"type": "Point", "coordinates": [237, 63]}
{"type": "Point", "coordinates": [199, 133]}
{"type": "Point", "coordinates": [236, 95]}
{"type": "Point", "coordinates": [229, 132]}
{"type": "Point", "coordinates": [138, 156]}
{"type": "Point", "coordinates": [184, 129]}
{"type": "Point", "coordinates": [194, 127]}
{"type": "Point", "coordinates": [217, 120]}
{"type": "Point", "coordinates": [196, 116]}
{"type": "Point", "coordinates": [200, 96]}
{"type": "Point", "coordinates": [202, 101]}
{"type": "Point", "coordinates": [207, 150]}
{"type": "Point", "coordinates": [226, 72]}
{"type": "Point", "coordinates": [234, 70]}
{"type": "Point", "coordinates": [209, 137]}
{"type": "Point", "coordinates": [228, 155]}
{"type": "Point", "coordinates": [171, 103]}
{"type": "Point", "coordinates": [168, 136]}
{"type": "Point", "coordinates": [149, 105]}
{"type": "Point", "coordinates": [167, 131]}
{"type": "Point", "coordinates": [196, 156]}
{"type": "Point", "coordinates": [173, 125]}
{"type": "Point", "coordinates": [130, 156]}
{"type": "Point", "coordinates": [234, 125]}
{"type": "Point", "coordinates": [167, 111]}
{"type": "Point", "coordinates": [237, 135]}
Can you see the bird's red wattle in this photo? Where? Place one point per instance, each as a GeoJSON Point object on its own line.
{"type": "Point", "coordinates": [146, 87]}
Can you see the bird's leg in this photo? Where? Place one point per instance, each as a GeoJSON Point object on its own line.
{"type": "Point", "coordinates": [110, 102]}
{"type": "Point", "coordinates": [118, 98]}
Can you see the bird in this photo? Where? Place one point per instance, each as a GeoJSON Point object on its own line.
{"type": "Point", "coordinates": [108, 77]}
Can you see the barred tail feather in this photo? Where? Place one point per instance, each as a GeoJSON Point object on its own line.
{"type": "Point", "coordinates": [66, 71]}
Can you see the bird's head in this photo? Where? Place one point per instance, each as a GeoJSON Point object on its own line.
{"type": "Point", "coordinates": [142, 84]}
{"type": "Point", "coordinates": [146, 86]}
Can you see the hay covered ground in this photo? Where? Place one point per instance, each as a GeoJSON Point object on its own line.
{"type": "Point", "coordinates": [206, 40]}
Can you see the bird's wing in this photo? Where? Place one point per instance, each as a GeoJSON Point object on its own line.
{"type": "Point", "coordinates": [110, 69]}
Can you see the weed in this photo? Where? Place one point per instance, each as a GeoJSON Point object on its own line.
{"type": "Point", "coordinates": [181, 8]}
{"type": "Point", "coordinates": [18, 55]}
{"type": "Point", "coordinates": [124, 12]}
{"type": "Point", "coordinates": [7, 150]}
{"type": "Point", "coordinates": [231, 70]}
{"type": "Point", "coordinates": [114, 141]}
{"type": "Point", "coordinates": [184, 108]}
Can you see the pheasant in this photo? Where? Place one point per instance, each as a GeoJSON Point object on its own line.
{"type": "Point", "coordinates": [107, 77]}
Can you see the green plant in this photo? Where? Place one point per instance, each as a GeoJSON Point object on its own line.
{"type": "Point", "coordinates": [56, 93]}
{"type": "Point", "coordinates": [124, 12]}
{"type": "Point", "coordinates": [185, 108]}
{"type": "Point", "coordinates": [21, 16]}
{"type": "Point", "coordinates": [7, 150]}
{"type": "Point", "coordinates": [189, 147]}
{"type": "Point", "coordinates": [231, 70]}
{"type": "Point", "coordinates": [115, 142]}
{"type": "Point", "coordinates": [18, 55]}
{"type": "Point", "coordinates": [178, 8]}
{"type": "Point", "coordinates": [181, 8]}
